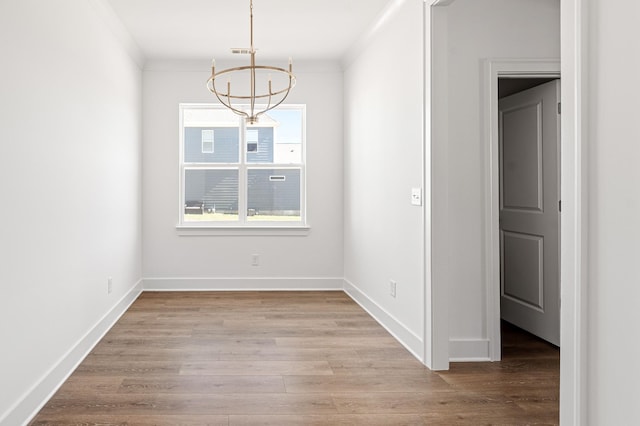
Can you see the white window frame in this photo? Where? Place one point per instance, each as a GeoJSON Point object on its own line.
{"type": "Point", "coordinates": [242, 226]}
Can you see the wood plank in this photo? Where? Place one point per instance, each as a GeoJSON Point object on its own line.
{"type": "Point", "coordinates": [257, 368]}
{"type": "Point", "coordinates": [191, 404]}
{"type": "Point", "coordinates": [287, 354]}
{"type": "Point", "coordinates": [328, 420]}
{"type": "Point", "coordinates": [125, 367]}
{"type": "Point", "coordinates": [120, 420]}
{"type": "Point", "coordinates": [203, 385]}
{"type": "Point", "coordinates": [372, 383]}
{"type": "Point", "coordinates": [338, 342]}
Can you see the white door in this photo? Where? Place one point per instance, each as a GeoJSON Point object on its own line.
{"type": "Point", "coordinates": [529, 210]}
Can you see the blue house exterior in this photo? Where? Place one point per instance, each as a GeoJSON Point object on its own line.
{"type": "Point", "coordinates": [270, 191]}
{"type": "Point", "coordinates": [225, 147]}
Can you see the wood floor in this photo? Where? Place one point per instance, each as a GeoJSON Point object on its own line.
{"type": "Point", "coordinates": [292, 358]}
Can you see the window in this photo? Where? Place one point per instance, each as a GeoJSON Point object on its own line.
{"type": "Point", "coordinates": [207, 141]}
{"type": "Point", "coordinates": [234, 174]}
{"type": "Point", "coordinates": [252, 140]}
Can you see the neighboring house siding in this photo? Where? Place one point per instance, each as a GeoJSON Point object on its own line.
{"type": "Point", "coordinates": [217, 189]}
{"type": "Point", "coordinates": [225, 147]}
{"type": "Point", "coordinates": [266, 196]}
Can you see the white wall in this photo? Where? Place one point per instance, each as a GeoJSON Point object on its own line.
{"type": "Point", "coordinates": [172, 260]}
{"type": "Point", "coordinates": [477, 30]}
{"type": "Point", "coordinates": [70, 187]}
{"type": "Point", "coordinates": [614, 215]}
{"type": "Point", "coordinates": [383, 160]}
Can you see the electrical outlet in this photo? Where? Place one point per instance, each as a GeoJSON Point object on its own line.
{"type": "Point", "coordinates": [109, 285]}
{"type": "Point", "coordinates": [392, 288]}
{"type": "Point", "coordinates": [255, 260]}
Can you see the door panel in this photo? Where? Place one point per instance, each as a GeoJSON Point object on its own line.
{"type": "Point", "coordinates": [522, 157]}
{"type": "Point", "coordinates": [529, 216]}
{"type": "Point", "coordinates": [523, 271]}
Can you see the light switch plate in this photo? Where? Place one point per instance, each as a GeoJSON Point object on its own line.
{"type": "Point", "coordinates": [416, 196]}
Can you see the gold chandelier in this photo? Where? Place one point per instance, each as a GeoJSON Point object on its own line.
{"type": "Point", "coordinates": [268, 97]}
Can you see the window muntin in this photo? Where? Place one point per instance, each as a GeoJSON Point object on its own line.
{"type": "Point", "coordinates": [254, 175]}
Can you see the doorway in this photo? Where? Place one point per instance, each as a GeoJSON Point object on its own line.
{"type": "Point", "coordinates": [574, 42]}
{"type": "Point", "coordinates": [529, 202]}
{"type": "Point", "coordinates": [515, 76]}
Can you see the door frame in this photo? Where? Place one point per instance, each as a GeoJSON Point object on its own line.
{"type": "Point", "coordinates": [493, 70]}
{"type": "Point", "coordinates": [574, 36]}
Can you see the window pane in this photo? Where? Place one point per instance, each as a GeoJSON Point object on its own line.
{"type": "Point", "coordinates": [210, 195]}
{"type": "Point", "coordinates": [287, 135]}
{"type": "Point", "coordinates": [273, 195]}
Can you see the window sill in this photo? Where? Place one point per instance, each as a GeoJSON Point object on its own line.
{"type": "Point", "coordinates": [198, 230]}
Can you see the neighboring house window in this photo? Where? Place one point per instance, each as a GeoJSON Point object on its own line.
{"type": "Point", "coordinates": [254, 176]}
{"type": "Point", "coordinates": [252, 140]}
{"type": "Point", "coordinates": [207, 141]}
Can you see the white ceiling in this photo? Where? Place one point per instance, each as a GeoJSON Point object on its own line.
{"type": "Point", "coordinates": [198, 29]}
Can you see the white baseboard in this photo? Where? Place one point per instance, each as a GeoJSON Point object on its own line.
{"type": "Point", "coordinates": [241, 284]}
{"type": "Point", "coordinates": [412, 342]}
{"type": "Point", "coordinates": [29, 405]}
{"type": "Point", "coordinates": [469, 350]}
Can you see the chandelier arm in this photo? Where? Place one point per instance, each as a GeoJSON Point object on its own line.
{"type": "Point", "coordinates": [268, 108]}
{"type": "Point", "coordinates": [277, 104]}
{"type": "Point", "coordinates": [281, 100]}
{"type": "Point", "coordinates": [228, 105]}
